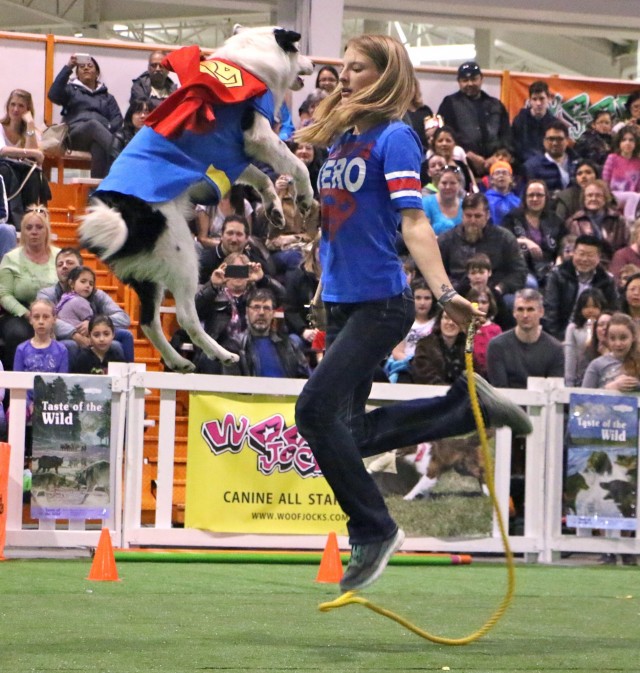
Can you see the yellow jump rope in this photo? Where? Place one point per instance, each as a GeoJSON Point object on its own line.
{"type": "Point", "coordinates": [350, 597]}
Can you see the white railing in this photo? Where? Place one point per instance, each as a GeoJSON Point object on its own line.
{"type": "Point", "coordinates": [542, 538]}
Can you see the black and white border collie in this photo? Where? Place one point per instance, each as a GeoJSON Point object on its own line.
{"type": "Point", "coordinates": [150, 247]}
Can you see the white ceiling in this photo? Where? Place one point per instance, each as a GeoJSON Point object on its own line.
{"type": "Point", "coordinates": [588, 37]}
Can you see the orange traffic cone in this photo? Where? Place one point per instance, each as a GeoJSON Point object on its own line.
{"type": "Point", "coordinates": [330, 570]}
{"type": "Point", "coordinates": [103, 568]}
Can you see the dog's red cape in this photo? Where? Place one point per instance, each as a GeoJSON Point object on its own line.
{"type": "Point", "coordinates": [203, 84]}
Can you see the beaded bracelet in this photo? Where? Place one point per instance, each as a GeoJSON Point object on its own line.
{"type": "Point", "coordinates": [446, 297]}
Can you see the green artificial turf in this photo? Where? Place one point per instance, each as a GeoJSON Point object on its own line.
{"type": "Point", "coordinates": [182, 617]}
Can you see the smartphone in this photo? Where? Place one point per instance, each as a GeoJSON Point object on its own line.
{"type": "Point", "coordinates": [237, 271]}
{"type": "Point", "coordinates": [81, 59]}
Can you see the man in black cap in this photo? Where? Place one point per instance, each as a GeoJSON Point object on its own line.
{"type": "Point", "coordinates": [480, 121]}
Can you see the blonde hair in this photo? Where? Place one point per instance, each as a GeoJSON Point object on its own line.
{"type": "Point", "coordinates": [28, 100]}
{"type": "Point", "coordinates": [36, 213]}
{"type": "Point", "coordinates": [387, 98]}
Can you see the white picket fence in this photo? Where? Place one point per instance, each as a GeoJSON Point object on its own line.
{"type": "Point", "coordinates": [542, 538]}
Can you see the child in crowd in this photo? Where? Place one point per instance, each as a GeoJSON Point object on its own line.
{"type": "Point", "coordinates": [621, 170]}
{"type": "Point", "coordinates": [42, 353]}
{"type": "Point", "coordinates": [486, 329]}
{"type": "Point", "coordinates": [501, 197]}
{"type": "Point", "coordinates": [74, 306]}
{"type": "Point", "coordinates": [96, 358]}
{"type": "Point", "coordinates": [619, 369]}
{"type": "Point", "coordinates": [398, 365]}
{"type": "Point", "coordinates": [478, 275]}
{"type": "Point", "coordinates": [579, 335]}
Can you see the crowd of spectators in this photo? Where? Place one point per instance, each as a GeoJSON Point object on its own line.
{"type": "Point", "coordinates": [516, 207]}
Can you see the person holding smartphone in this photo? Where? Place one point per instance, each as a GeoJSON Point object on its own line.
{"type": "Point", "coordinates": [221, 304]}
{"type": "Point", "coordinates": [91, 112]}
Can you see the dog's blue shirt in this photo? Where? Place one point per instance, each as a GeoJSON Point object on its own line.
{"type": "Point", "coordinates": [157, 169]}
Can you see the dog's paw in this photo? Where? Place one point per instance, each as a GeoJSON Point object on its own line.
{"type": "Point", "coordinates": [180, 365]}
{"type": "Point", "coordinates": [230, 359]}
{"type": "Point", "coordinates": [276, 216]}
{"type": "Point", "coordinates": [305, 203]}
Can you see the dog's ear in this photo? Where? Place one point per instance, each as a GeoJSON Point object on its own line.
{"type": "Point", "coordinates": [238, 28]}
{"type": "Point", "coordinates": [287, 39]}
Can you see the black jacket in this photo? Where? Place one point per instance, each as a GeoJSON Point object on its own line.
{"type": "Point", "coordinates": [481, 125]}
{"type": "Point", "coordinates": [509, 268]}
{"type": "Point", "coordinates": [141, 90]}
{"type": "Point", "coordinates": [290, 355]}
{"type": "Point", "coordinates": [80, 104]}
{"type": "Point", "coordinates": [561, 293]}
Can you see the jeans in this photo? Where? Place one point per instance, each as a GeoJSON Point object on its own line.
{"type": "Point", "coordinates": [330, 412]}
{"type": "Point", "coordinates": [92, 136]}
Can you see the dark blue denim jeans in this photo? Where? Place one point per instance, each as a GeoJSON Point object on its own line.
{"type": "Point", "coordinates": [330, 413]}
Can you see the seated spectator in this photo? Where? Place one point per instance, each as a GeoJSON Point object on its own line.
{"type": "Point", "coordinates": [538, 231]}
{"type": "Point", "coordinates": [154, 85]}
{"type": "Point", "coordinates": [500, 196]}
{"type": "Point", "coordinates": [265, 351]}
{"type": "Point", "coordinates": [567, 246]}
{"type": "Point", "coordinates": [557, 165]}
{"type": "Point", "coordinates": [134, 118]}
{"type": "Point", "coordinates": [480, 121]}
{"type": "Point", "coordinates": [95, 358]}
{"type": "Point", "coordinates": [599, 218]}
{"type": "Point", "coordinates": [444, 209]}
{"type": "Point", "coordinates": [327, 78]}
{"type": "Point", "coordinates": [23, 272]}
{"type": "Point", "coordinates": [621, 170]}
{"type": "Point", "coordinates": [619, 369]}
{"type": "Point", "coordinates": [312, 157]}
{"type": "Point", "coordinates": [629, 254]}
{"type": "Point", "coordinates": [221, 305]}
{"type": "Point", "coordinates": [569, 279]}
{"type": "Point", "coordinates": [417, 113]}
{"type": "Point", "coordinates": [626, 272]}
{"type": "Point", "coordinates": [598, 344]}
{"type": "Point", "coordinates": [209, 218]}
{"type": "Point", "coordinates": [525, 350]}
{"type": "Point", "coordinates": [439, 357]}
{"type": "Point", "coordinates": [632, 109]}
{"type": "Point", "coordinates": [41, 353]}
{"type": "Point", "coordinates": [530, 124]}
{"type": "Point", "coordinates": [91, 112]}
{"type": "Point", "coordinates": [308, 107]}
{"type": "Point", "coordinates": [234, 237]}
{"type": "Point", "coordinates": [630, 303]}
{"type": "Point", "coordinates": [398, 365]}
{"type": "Point", "coordinates": [76, 337]}
{"type": "Point", "coordinates": [473, 236]}
{"type": "Point", "coordinates": [20, 141]}
{"type": "Point", "coordinates": [568, 201]}
{"type": "Point", "coordinates": [300, 290]}
{"type": "Point", "coordinates": [596, 142]}
{"type": "Point", "coordinates": [74, 306]}
{"type": "Point", "coordinates": [286, 246]}
{"type": "Point", "coordinates": [478, 271]}
{"type": "Point", "coordinates": [430, 174]}
{"type": "Point", "coordinates": [579, 335]}
{"type": "Point", "coordinates": [486, 329]}
{"type": "Point", "coordinates": [443, 143]}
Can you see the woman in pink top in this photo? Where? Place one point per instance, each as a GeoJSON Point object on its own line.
{"type": "Point", "coordinates": [622, 170]}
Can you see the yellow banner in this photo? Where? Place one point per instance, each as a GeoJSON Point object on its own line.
{"type": "Point", "coordinates": [249, 471]}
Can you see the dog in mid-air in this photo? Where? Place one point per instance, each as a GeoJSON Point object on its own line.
{"type": "Point", "coordinates": [212, 128]}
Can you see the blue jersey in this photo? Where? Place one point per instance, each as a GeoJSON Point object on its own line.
{"type": "Point", "coordinates": [155, 168]}
{"type": "Point", "coordinates": [364, 184]}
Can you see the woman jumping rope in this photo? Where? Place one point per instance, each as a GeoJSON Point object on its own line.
{"type": "Point", "coordinates": [370, 188]}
